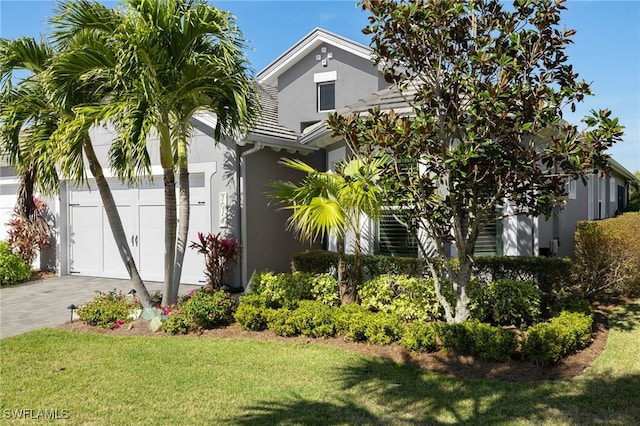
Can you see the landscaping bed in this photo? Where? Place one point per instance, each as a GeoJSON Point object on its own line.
{"type": "Point", "coordinates": [447, 364]}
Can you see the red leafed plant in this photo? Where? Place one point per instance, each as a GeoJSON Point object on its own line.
{"type": "Point", "coordinates": [220, 253]}
{"type": "Point", "coordinates": [27, 235]}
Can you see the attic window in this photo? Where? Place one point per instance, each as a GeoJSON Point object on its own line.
{"type": "Point", "coordinates": [326, 96]}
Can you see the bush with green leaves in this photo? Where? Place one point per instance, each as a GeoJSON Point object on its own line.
{"type": "Point", "coordinates": [420, 337]}
{"type": "Point", "coordinates": [573, 303]}
{"type": "Point", "coordinates": [178, 322]}
{"type": "Point", "coordinates": [251, 317]}
{"type": "Point", "coordinates": [282, 290]}
{"type": "Point", "coordinates": [314, 319]}
{"type": "Point", "coordinates": [324, 289]}
{"type": "Point", "coordinates": [406, 297]}
{"type": "Point", "coordinates": [478, 339]}
{"type": "Point", "coordinates": [507, 302]}
{"type": "Point", "coordinates": [13, 269]}
{"type": "Point", "coordinates": [383, 328]}
{"type": "Point", "coordinates": [546, 343]}
{"type": "Point", "coordinates": [281, 322]}
{"type": "Point", "coordinates": [209, 309]}
{"type": "Point", "coordinates": [607, 261]}
{"type": "Point", "coordinates": [109, 310]}
{"type": "Point", "coordinates": [352, 321]}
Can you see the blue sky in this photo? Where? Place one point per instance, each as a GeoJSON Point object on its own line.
{"type": "Point", "coordinates": [606, 49]}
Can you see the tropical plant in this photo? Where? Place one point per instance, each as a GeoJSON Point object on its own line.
{"type": "Point", "coordinates": [327, 203]}
{"type": "Point", "coordinates": [487, 85]}
{"type": "Point", "coordinates": [220, 253]}
{"type": "Point", "coordinates": [172, 58]}
{"type": "Point", "coordinates": [27, 235]}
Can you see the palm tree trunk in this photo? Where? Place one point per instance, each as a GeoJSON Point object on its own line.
{"type": "Point", "coordinates": [183, 229]}
{"type": "Point", "coordinates": [115, 223]}
{"type": "Point", "coordinates": [170, 218]}
{"type": "Point", "coordinates": [25, 205]}
{"type": "Point", "coordinates": [346, 291]}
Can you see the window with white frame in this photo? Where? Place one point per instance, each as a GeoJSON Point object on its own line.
{"type": "Point", "coordinates": [326, 96]}
{"type": "Point", "coordinates": [571, 189]}
{"type": "Point", "coordinates": [612, 190]}
{"type": "Point", "coordinates": [601, 198]}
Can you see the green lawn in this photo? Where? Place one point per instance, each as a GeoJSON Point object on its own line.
{"type": "Point", "coordinates": [113, 380]}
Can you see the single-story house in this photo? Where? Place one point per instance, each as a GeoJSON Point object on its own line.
{"type": "Point", "coordinates": [321, 73]}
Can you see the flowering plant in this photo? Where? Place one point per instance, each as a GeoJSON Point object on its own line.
{"type": "Point", "coordinates": [219, 254]}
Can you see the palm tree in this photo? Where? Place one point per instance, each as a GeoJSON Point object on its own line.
{"type": "Point", "coordinates": [172, 58]}
{"type": "Point", "coordinates": [39, 128]}
{"type": "Point", "coordinates": [327, 203]}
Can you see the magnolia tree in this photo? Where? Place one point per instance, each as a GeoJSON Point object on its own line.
{"type": "Point", "coordinates": [487, 84]}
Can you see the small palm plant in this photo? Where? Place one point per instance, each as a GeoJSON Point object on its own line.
{"type": "Point", "coordinates": [220, 253]}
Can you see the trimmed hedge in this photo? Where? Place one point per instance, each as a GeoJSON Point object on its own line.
{"type": "Point", "coordinates": [550, 274]}
{"type": "Point", "coordinates": [546, 343]}
{"type": "Point", "coordinates": [478, 339]}
{"type": "Point", "coordinates": [607, 260]}
{"type": "Point", "coordinates": [507, 302]}
{"type": "Point", "coordinates": [420, 337]}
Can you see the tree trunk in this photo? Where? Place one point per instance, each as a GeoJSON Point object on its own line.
{"type": "Point", "coordinates": [183, 229]}
{"type": "Point", "coordinates": [26, 206]}
{"type": "Point", "coordinates": [347, 294]}
{"type": "Point", "coordinates": [462, 296]}
{"type": "Point", "coordinates": [170, 222]}
{"type": "Point", "coordinates": [116, 224]}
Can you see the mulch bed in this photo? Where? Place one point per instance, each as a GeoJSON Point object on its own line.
{"type": "Point", "coordinates": [447, 364]}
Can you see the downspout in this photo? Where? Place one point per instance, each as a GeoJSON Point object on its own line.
{"type": "Point", "coordinates": [242, 225]}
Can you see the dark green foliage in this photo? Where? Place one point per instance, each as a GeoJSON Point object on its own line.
{"type": "Point", "coordinates": [507, 302]}
{"type": "Point", "coordinates": [550, 274]}
{"type": "Point", "coordinates": [108, 310]}
{"type": "Point", "coordinates": [281, 322]}
{"type": "Point", "coordinates": [420, 337]}
{"type": "Point", "coordinates": [209, 309]}
{"type": "Point", "coordinates": [478, 339]}
{"type": "Point", "coordinates": [12, 268]}
{"type": "Point", "coordinates": [251, 317]}
{"type": "Point", "coordinates": [546, 343]}
{"type": "Point", "coordinates": [383, 328]}
{"type": "Point", "coordinates": [178, 322]}
{"type": "Point", "coordinates": [408, 298]}
{"type": "Point", "coordinates": [571, 304]}
{"type": "Point", "coordinates": [314, 319]}
{"type": "Point", "coordinates": [323, 261]}
{"type": "Point", "coordinates": [352, 321]}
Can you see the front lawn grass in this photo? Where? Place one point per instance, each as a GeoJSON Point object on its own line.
{"type": "Point", "coordinates": [110, 380]}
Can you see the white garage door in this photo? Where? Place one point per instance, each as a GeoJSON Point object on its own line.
{"type": "Point", "coordinates": [8, 197]}
{"type": "Point", "coordinates": [92, 249]}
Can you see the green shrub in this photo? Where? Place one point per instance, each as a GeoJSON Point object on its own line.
{"type": "Point", "coordinates": [324, 289]}
{"type": "Point", "coordinates": [572, 303]}
{"type": "Point", "coordinates": [108, 310]}
{"type": "Point", "coordinates": [607, 261]}
{"type": "Point", "coordinates": [12, 268]}
{"type": "Point", "coordinates": [507, 302]}
{"type": "Point", "coordinates": [178, 322]}
{"type": "Point", "coordinates": [281, 322]}
{"type": "Point", "coordinates": [209, 309]}
{"type": "Point", "coordinates": [314, 319]}
{"type": "Point", "coordinates": [546, 343]}
{"type": "Point", "coordinates": [282, 290]}
{"type": "Point", "coordinates": [420, 337]}
{"type": "Point", "coordinates": [550, 274]}
{"type": "Point", "coordinates": [352, 321]}
{"type": "Point", "coordinates": [382, 328]}
{"type": "Point", "coordinates": [408, 298]}
{"type": "Point", "coordinates": [478, 339]}
{"type": "Point", "coordinates": [251, 317]}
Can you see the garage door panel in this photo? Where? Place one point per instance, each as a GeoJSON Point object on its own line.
{"type": "Point", "coordinates": [85, 236]}
{"type": "Point", "coordinates": [151, 242]}
{"type": "Point", "coordinates": [8, 199]}
{"type": "Point", "coordinates": [113, 265]}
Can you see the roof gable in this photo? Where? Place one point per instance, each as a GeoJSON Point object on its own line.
{"type": "Point", "coordinates": [315, 38]}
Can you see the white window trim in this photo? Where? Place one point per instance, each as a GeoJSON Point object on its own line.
{"type": "Point", "coordinates": [318, 85]}
{"type": "Point", "coordinates": [572, 189]}
{"type": "Point", "coordinates": [325, 77]}
{"type": "Point", "coordinates": [613, 190]}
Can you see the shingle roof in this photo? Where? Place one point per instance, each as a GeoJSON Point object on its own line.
{"type": "Point", "coordinates": [268, 124]}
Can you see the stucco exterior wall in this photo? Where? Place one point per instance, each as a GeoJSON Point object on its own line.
{"type": "Point", "coordinates": [297, 98]}
{"type": "Point", "coordinates": [268, 243]}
